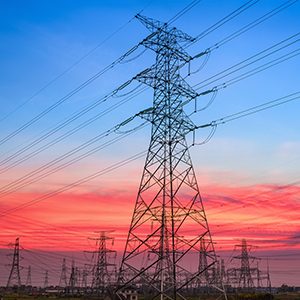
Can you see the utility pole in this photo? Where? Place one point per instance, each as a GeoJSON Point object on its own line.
{"type": "Point", "coordinates": [103, 269]}
{"type": "Point", "coordinates": [14, 278]}
{"type": "Point", "coordinates": [168, 204]}
{"type": "Point", "coordinates": [63, 275]}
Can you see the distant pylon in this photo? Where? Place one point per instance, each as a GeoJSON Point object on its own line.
{"type": "Point", "coordinates": [63, 274]}
{"type": "Point", "coordinates": [269, 284]}
{"type": "Point", "coordinates": [203, 279]}
{"type": "Point", "coordinates": [72, 280]}
{"type": "Point", "coordinates": [169, 220]}
{"type": "Point", "coordinates": [245, 279]}
{"type": "Point", "coordinates": [14, 278]}
{"type": "Point", "coordinates": [223, 271]}
{"type": "Point", "coordinates": [84, 278]}
{"type": "Point", "coordinates": [77, 277]}
{"type": "Point", "coordinates": [28, 278]}
{"type": "Point", "coordinates": [104, 267]}
{"type": "Point", "coordinates": [46, 280]}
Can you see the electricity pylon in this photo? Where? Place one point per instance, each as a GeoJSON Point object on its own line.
{"type": "Point", "coordinates": [168, 221]}
{"type": "Point", "coordinates": [104, 266]}
{"type": "Point", "coordinates": [63, 275]}
{"type": "Point", "coordinates": [14, 278]}
{"type": "Point", "coordinates": [245, 280]}
{"type": "Point", "coordinates": [203, 279]}
{"type": "Point", "coordinates": [73, 279]}
{"type": "Point", "coordinates": [28, 278]}
{"type": "Point", "coordinates": [85, 274]}
{"type": "Point", "coordinates": [46, 280]}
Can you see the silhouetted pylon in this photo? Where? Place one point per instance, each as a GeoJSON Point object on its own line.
{"type": "Point", "coordinates": [14, 278]}
{"type": "Point", "coordinates": [63, 275]}
{"type": "Point", "coordinates": [169, 220]}
{"type": "Point", "coordinates": [28, 278]}
{"type": "Point", "coordinates": [46, 280]}
{"type": "Point", "coordinates": [245, 279]}
{"type": "Point", "coordinates": [73, 279]}
{"type": "Point", "coordinates": [104, 267]}
{"type": "Point", "coordinates": [203, 279]}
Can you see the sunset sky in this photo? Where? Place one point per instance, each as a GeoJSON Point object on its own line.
{"type": "Point", "coordinates": [248, 173]}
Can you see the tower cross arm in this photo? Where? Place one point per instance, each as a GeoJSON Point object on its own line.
{"type": "Point", "coordinates": [156, 26]}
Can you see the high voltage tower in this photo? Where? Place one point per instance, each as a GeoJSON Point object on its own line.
{"type": "Point", "coordinates": [28, 278]}
{"type": "Point", "coordinates": [46, 279]}
{"type": "Point", "coordinates": [169, 222]}
{"type": "Point", "coordinates": [14, 278]}
{"type": "Point", "coordinates": [63, 274]}
{"type": "Point", "coordinates": [73, 279]}
{"type": "Point", "coordinates": [247, 277]}
{"type": "Point", "coordinates": [104, 269]}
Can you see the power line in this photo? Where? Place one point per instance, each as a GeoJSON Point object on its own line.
{"type": "Point", "coordinates": [224, 20]}
{"type": "Point", "coordinates": [254, 23]}
{"type": "Point", "coordinates": [208, 81]}
{"type": "Point", "coordinates": [70, 94]}
{"type": "Point", "coordinates": [76, 183]}
{"type": "Point", "coordinates": [253, 110]}
{"type": "Point", "coordinates": [252, 72]}
{"type": "Point", "coordinates": [61, 137]}
{"type": "Point", "coordinates": [21, 182]}
{"type": "Point", "coordinates": [183, 11]}
{"type": "Point", "coordinates": [72, 66]}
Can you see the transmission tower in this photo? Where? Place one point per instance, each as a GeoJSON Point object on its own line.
{"type": "Point", "coordinates": [222, 271]}
{"type": "Point", "coordinates": [269, 284]}
{"type": "Point", "coordinates": [203, 278]}
{"type": "Point", "coordinates": [46, 280]}
{"type": "Point", "coordinates": [63, 275]}
{"type": "Point", "coordinates": [77, 277]}
{"type": "Point", "coordinates": [168, 221]}
{"type": "Point", "coordinates": [85, 274]}
{"type": "Point", "coordinates": [28, 278]}
{"type": "Point", "coordinates": [104, 267]}
{"type": "Point", "coordinates": [72, 280]}
{"type": "Point", "coordinates": [14, 278]}
{"type": "Point", "coordinates": [245, 280]}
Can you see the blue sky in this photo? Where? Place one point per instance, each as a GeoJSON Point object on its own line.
{"type": "Point", "coordinates": [39, 40]}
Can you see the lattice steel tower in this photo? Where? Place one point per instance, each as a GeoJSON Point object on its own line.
{"type": "Point", "coordinates": [46, 279]}
{"type": "Point", "coordinates": [168, 221]}
{"type": "Point", "coordinates": [28, 278]}
{"type": "Point", "coordinates": [104, 267]}
{"type": "Point", "coordinates": [14, 278]}
{"type": "Point", "coordinates": [245, 279]}
{"type": "Point", "coordinates": [63, 274]}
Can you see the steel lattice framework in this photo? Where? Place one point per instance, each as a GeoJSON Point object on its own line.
{"type": "Point", "coordinates": [14, 278]}
{"type": "Point", "coordinates": [104, 268]}
{"type": "Point", "coordinates": [63, 275]}
{"type": "Point", "coordinates": [169, 221]}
